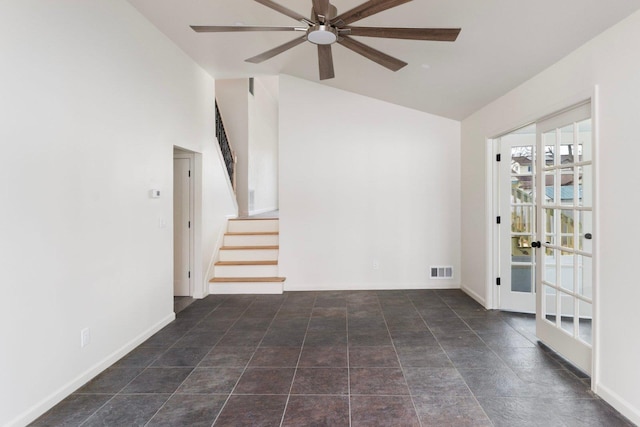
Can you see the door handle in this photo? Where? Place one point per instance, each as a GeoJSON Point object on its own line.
{"type": "Point", "coordinates": [536, 244]}
{"type": "Point", "coordinates": [588, 236]}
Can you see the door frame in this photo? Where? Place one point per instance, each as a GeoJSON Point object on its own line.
{"type": "Point", "coordinates": [492, 230]}
{"type": "Point", "coordinates": [181, 154]}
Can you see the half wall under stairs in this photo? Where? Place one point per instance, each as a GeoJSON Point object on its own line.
{"type": "Point", "coordinates": [248, 259]}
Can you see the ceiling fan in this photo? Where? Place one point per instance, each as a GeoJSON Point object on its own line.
{"type": "Point", "coordinates": [327, 27]}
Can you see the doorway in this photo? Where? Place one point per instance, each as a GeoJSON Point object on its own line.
{"type": "Point", "coordinates": [182, 224]}
{"type": "Point", "coordinates": [545, 223]}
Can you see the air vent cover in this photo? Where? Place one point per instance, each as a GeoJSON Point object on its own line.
{"type": "Point", "coordinates": [441, 272]}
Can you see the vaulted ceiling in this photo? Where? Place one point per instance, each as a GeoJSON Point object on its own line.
{"type": "Point", "coordinates": [502, 44]}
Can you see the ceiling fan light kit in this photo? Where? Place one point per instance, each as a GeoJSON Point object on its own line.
{"type": "Point", "coordinates": [322, 34]}
{"type": "Point", "coordinates": [327, 27]}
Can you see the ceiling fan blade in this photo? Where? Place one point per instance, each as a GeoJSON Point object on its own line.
{"type": "Point", "coordinates": [321, 10]}
{"type": "Point", "coordinates": [276, 50]}
{"type": "Point", "coordinates": [368, 8]}
{"type": "Point", "coordinates": [325, 62]}
{"type": "Point", "coordinates": [435, 34]}
{"type": "Point", "coordinates": [285, 11]}
{"type": "Point", "coordinates": [368, 52]}
{"type": "Point", "coordinates": [239, 28]}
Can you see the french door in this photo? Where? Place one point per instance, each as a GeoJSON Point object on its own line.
{"type": "Point", "coordinates": [545, 241]}
{"type": "Point", "coordinates": [517, 200]}
{"type": "Point", "coordinates": [564, 258]}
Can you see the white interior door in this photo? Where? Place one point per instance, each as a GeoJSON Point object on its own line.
{"type": "Point", "coordinates": [181, 227]}
{"type": "Point", "coordinates": [565, 218]}
{"type": "Point", "coordinates": [517, 229]}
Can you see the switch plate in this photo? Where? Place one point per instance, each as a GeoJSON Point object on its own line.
{"type": "Point", "coordinates": [85, 337]}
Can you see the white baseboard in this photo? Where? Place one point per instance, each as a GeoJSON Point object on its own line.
{"type": "Point", "coordinates": [57, 396]}
{"type": "Point", "coordinates": [263, 210]}
{"type": "Point", "coordinates": [367, 286]}
{"type": "Point", "coordinates": [620, 404]}
{"type": "Point", "coordinates": [235, 288]}
{"type": "Point", "coordinates": [214, 257]}
{"type": "Point", "coordinates": [480, 300]}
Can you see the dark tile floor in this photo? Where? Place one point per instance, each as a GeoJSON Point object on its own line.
{"type": "Point", "coordinates": [180, 303]}
{"type": "Point", "coordinates": [367, 358]}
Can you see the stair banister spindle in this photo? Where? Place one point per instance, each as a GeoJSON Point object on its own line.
{"type": "Point", "coordinates": [230, 158]}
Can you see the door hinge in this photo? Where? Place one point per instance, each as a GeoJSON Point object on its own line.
{"type": "Point", "coordinates": [497, 220]}
{"type": "Point", "coordinates": [189, 174]}
{"type": "Point", "coordinates": [498, 281]}
{"type": "Point", "coordinates": [189, 275]}
{"type": "Point", "coordinates": [189, 224]}
{"type": "Point", "coordinates": [498, 157]}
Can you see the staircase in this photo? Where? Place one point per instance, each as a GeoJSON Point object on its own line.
{"type": "Point", "coordinates": [248, 259]}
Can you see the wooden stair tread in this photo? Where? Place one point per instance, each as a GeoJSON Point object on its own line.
{"type": "Point", "coordinates": [237, 248]}
{"type": "Point", "coordinates": [252, 233]}
{"type": "Point", "coordinates": [246, 263]}
{"type": "Point", "coordinates": [246, 279]}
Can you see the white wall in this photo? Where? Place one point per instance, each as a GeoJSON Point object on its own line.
{"type": "Point", "coordinates": [263, 144]}
{"type": "Point", "coordinates": [364, 180]}
{"type": "Point", "coordinates": [611, 61]}
{"type": "Point", "coordinates": [93, 101]}
{"type": "Point", "coordinates": [233, 102]}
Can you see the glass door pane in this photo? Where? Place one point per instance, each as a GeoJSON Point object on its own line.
{"type": "Point", "coordinates": [565, 219]}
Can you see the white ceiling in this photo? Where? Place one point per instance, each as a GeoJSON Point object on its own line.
{"type": "Point", "coordinates": [502, 44]}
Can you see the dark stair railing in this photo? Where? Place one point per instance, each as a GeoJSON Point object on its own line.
{"type": "Point", "coordinates": [227, 152]}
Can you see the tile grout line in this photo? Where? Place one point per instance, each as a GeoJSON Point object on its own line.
{"type": "Point", "coordinates": [465, 381]}
{"type": "Point", "coordinates": [494, 327]}
{"type": "Point", "coordinates": [141, 372]}
{"type": "Point", "coordinates": [223, 335]}
{"type": "Point", "coordinates": [295, 372]}
{"type": "Point", "coordinates": [491, 348]}
{"type": "Point", "coordinates": [175, 392]}
{"type": "Point", "coordinates": [447, 354]}
{"type": "Point", "coordinates": [252, 355]}
{"type": "Point", "coordinates": [196, 366]}
{"type": "Point", "coordinates": [384, 318]}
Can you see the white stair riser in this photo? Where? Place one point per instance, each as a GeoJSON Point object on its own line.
{"type": "Point", "coordinates": [249, 255]}
{"type": "Point", "coordinates": [226, 288]}
{"type": "Point", "coordinates": [253, 226]}
{"type": "Point", "coordinates": [251, 240]}
{"type": "Point", "coordinates": [245, 271]}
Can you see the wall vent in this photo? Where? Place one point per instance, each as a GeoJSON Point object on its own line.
{"type": "Point", "coordinates": [444, 272]}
